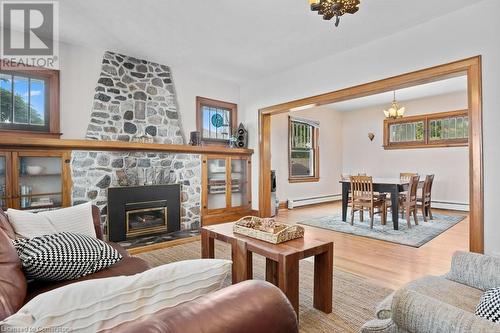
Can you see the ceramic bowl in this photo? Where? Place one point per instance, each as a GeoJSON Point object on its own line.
{"type": "Point", "coordinates": [34, 170]}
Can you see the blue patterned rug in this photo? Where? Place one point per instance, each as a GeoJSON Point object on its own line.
{"type": "Point", "coordinates": [416, 236]}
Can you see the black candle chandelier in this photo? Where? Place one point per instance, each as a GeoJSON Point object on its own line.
{"type": "Point", "coordinates": [334, 8]}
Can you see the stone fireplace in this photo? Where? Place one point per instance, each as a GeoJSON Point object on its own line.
{"type": "Point", "coordinates": [135, 101]}
{"type": "Point", "coordinates": [143, 211]}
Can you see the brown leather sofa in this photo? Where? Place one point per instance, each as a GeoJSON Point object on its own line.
{"type": "Point", "coordinates": [252, 306]}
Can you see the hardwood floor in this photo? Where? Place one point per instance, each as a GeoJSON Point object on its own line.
{"type": "Point", "coordinates": [387, 264]}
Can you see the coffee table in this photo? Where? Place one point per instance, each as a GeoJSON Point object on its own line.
{"type": "Point", "coordinates": [282, 262]}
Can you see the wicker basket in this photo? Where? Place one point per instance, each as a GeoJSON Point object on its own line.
{"type": "Point", "coordinates": [284, 233]}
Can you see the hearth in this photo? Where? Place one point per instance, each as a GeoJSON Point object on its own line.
{"type": "Point", "coordinates": [143, 211]}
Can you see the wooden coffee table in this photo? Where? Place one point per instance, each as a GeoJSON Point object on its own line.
{"type": "Point", "coordinates": [282, 262]}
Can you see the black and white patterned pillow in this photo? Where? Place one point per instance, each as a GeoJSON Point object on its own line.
{"type": "Point", "coordinates": [64, 256]}
{"type": "Point", "coordinates": [489, 305]}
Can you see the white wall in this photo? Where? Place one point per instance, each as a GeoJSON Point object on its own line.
{"type": "Point", "coordinates": [468, 32]}
{"type": "Point", "coordinates": [330, 155]}
{"type": "Point", "coordinates": [449, 165]}
{"type": "Point", "coordinates": [79, 71]}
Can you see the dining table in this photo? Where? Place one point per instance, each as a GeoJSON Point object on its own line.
{"type": "Point", "coordinates": [394, 186]}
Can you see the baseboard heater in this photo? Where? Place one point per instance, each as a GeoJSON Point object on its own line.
{"type": "Point", "coordinates": [292, 203]}
{"type": "Point", "coordinates": [450, 205]}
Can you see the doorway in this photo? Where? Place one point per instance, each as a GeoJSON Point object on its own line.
{"type": "Point", "coordinates": [471, 68]}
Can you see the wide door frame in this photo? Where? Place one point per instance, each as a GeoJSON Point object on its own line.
{"type": "Point", "coordinates": [470, 67]}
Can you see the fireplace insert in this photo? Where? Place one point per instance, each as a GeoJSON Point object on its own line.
{"type": "Point", "coordinates": [143, 211]}
{"type": "Point", "coordinates": [143, 218]}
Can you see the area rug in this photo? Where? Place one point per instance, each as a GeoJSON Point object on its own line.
{"type": "Point", "coordinates": [354, 297]}
{"type": "Point", "coordinates": [416, 236]}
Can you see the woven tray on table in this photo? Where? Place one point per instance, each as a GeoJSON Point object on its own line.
{"type": "Point", "coordinates": [267, 229]}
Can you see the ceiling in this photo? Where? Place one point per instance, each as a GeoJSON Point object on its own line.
{"type": "Point", "coordinates": [236, 40]}
{"type": "Point", "coordinates": [454, 85]}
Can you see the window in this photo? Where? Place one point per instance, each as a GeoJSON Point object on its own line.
{"type": "Point", "coordinates": [431, 130]}
{"type": "Point", "coordinates": [450, 128]}
{"type": "Point", "coordinates": [29, 101]}
{"type": "Point", "coordinates": [216, 120]}
{"type": "Point", "coordinates": [407, 132]}
{"type": "Point", "coordinates": [22, 101]}
{"type": "Point", "coordinates": [303, 154]}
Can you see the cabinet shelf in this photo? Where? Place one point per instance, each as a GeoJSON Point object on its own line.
{"type": "Point", "coordinates": [40, 175]}
{"type": "Point", "coordinates": [54, 205]}
{"type": "Point", "coordinates": [40, 194]}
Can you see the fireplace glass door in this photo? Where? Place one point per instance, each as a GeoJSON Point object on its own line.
{"type": "Point", "coordinates": [146, 221]}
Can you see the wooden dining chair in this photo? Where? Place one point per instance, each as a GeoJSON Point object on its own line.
{"type": "Point", "coordinates": [425, 199]}
{"type": "Point", "coordinates": [406, 176]}
{"type": "Point", "coordinates": [408, 202]}
{"type": "Point", "coordinates": [345, 176]}
{"type": "Point", "coordinates": [364, 198]}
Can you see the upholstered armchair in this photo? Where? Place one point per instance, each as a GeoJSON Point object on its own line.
{"type": "Point", "coordinates": [441, 303]}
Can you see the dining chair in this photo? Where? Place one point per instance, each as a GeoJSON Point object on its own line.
{"type": "Point", "coordinates": [408, 202]}
{"type": "Point", "coordinates": [406, 176]}
{"type": "Point", "coordinates": [345, 176]}
{"type": "Point", "coordinates": [364, 198]}
{"type": "Point", "coordinates": [425, 199]}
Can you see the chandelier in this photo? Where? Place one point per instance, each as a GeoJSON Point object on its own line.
{"type": "Point", "coordinates": [334, 8]}
{"type": "Point", "coordinates": [395, 111]}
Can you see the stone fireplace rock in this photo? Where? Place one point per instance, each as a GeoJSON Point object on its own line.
{"type": "Point", "coordinates": [135, 101]}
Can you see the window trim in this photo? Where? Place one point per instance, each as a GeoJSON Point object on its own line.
{"type": "Point", "coordinates": [315, 148]}
{"type": "Point", "coordinates": [203, 101]}
{"type": "Point", "coordinates": [426, 143]}
{"type": "Point", "coordinates": [51, 78]}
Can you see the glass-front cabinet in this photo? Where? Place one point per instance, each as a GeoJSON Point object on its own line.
{"type": "Point", "coordinates": [35, 180]}
{"type": "Point", "coordinates": [226, 193]}
{"type": "Point", "coordinates": [4, 187]}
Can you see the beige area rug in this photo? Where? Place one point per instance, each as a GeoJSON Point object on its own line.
{"type": "Point", "coordinates": [354, 297]}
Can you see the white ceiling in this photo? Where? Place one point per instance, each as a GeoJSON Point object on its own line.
{"type": "Point", "coordinates": [237, 40]}
{"type": "Point", "coordinates": [458, 84]}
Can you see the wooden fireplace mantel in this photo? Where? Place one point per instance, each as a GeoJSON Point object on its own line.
{"type": "Point", "coordinates": [9, 142]}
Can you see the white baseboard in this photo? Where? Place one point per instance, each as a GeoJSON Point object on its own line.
{"type": "Point", "coordinates": [293, 203]}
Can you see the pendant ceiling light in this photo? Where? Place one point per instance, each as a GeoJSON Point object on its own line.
{"type": "Point", "coordinates": [334, 8]}
{"type": "Point", "coordinates": [395, 111]}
